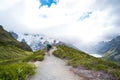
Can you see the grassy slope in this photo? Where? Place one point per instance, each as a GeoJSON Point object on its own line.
{"type": "Point", "coordinates": [9, 47]}
{"type": "Point", "coordinates": [18, 71]}
{"type": "Point", "coordinates": [76, 58]}
{"type": "Point", "coordinates": [9, 52]}
{"type": "Point", "coordinates": [18, 68]}
{"type": "Point", "coordinates": [36, 56]}
{"type": "Point", "coordinates": [14, 57]}
{"type": "Point", "coordinates": [7, 39]}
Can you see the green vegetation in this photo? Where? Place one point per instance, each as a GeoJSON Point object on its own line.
{"type": "Point", "coordinates": [36, 56]}
{"type": "Point", "coordinates": [108, 53]}
{"type": "Point", "coordinates": [6, 39]}
{"type": "Point", "coordinates": [14, 58]}
{"type": "Point", "coordinates": [19, 68]}
{"type": "Point", "coordinates": [17, 71]}
{"type": "Point", "coordinates": [10, 48]}
{"type": "Point", "coordinates": [76, 58]}
{"type": "Point", "coordinates": [9, 52]}
{"type": "Point", "coordinates": [112, 55]}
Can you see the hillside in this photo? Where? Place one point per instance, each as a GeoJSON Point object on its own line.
{"type": "Point", "coordinates": [112, 55]}
{"type": "Point", "coordinates": [76, 58]}
{"type": "Point", "coordinates": [10, 47]}
{"type": "Point", "coordinates": [14, 58]}
{"type": "Point", "coordinates": [7, 39]}
{"type": "Point", "coordinates": [113, 52]}
{"type": "Point", "coordinates": [110, 50]}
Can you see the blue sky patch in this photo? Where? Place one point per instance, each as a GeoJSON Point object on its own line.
{"type": "Point", "coordinates": [85, 15]}
{"type": "Point", "coordinates": [48, 2]}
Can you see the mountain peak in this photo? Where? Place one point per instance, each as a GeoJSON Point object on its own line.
{"type": "Point", "coordinates": [35, 41]}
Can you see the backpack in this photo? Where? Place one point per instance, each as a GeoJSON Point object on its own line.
{"type": "Point", "coordinates": [49, 46]}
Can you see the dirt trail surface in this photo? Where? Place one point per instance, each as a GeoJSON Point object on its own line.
{"type": "Point", "coordinates": [53, 68]}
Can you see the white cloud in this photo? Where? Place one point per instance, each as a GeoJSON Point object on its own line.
{"type": "Point", "coordinates": [5, 4]}
{"type": "Point", "coordinates": [60, 21]}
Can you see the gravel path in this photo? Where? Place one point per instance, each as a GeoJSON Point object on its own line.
{"type": "Point", "coordinates": [53, 68]}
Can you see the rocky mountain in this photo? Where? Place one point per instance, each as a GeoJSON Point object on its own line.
{"type": "Point", "coordinates": [103, 46]}
{"type": "Point", "coordinates": [10, 47]}
{"type": "Point", "coordinates": [110, 49]}
{"type": "Point", "coordinates": [35, 41]}
{"type": "Point", "coordinates": [100, 47]}
{"type": "Point", "coordinates": [14, 35]}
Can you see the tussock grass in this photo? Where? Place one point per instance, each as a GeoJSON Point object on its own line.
{"type": "Point", "coordinates": [76, 58]}
{"type": "Point", "coordinates": [18, 68]}
{"type": "Point", "coordinates": [8, 52]}
{"type": "Point", "coordinates": [18, 71]}
{"type": "Point", "coordinates": [36, 56]}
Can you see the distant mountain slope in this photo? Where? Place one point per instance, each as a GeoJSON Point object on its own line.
{"type": "Point", "coordinates": [110, 50]}
{"type": "Point", "coordinates": [35, 41]}
{"type": "Point", "coordinates": [113, 55]}
{"type": "Point", "coordinates": [103, 47]}
{"type": "Point", "coordinates": [10, 47]}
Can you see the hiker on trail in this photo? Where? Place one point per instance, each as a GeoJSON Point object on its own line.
{"type": "Point", "coordinates": [48, 47]}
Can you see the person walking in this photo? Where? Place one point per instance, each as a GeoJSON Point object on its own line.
{"type": "Point", "coordinates": [48, 47]}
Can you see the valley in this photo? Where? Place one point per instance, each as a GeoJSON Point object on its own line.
{"type": "Point", "coordinates": [18, 61]}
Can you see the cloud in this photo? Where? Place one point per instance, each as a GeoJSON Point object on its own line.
{"type": "Point", "coordinates": [112, 8]}
{"type": "Point", "coordinates": [74, 21]}
{"type": "Point", "coordinates": [5, 4]}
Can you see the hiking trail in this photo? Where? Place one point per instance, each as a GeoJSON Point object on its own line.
{"type": "Point", "coordinates": [53, 68]}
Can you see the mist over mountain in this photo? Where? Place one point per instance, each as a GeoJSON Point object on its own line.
{"type": "Point", "coordinates": [104, 46]}
{"type": "Point", "coordinates": [80, 23]}
{"type": "Point", "coordinates": [109, 50]}
{"type": "Point", "coordinates": [39, 41]}
{"type": "Point", "coordinates": [86, 33]}
{"type": "Point", "coordinates": [35, 41]}
{"type": "Point", "coordinates": [15, 52]}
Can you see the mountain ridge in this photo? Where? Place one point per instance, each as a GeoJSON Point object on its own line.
{"type": "Point", "coordinates": [110, 50]}
{"type": "Point", "coordinates": [35, 41]}
{"type": "Point", "coordinates": [10, 47]}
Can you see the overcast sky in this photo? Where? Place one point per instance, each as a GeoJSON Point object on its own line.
{"type": "Point", "coordinates": [68, 20]}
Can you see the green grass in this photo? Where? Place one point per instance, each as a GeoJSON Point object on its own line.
{"type": "Point", "coordinates": [18, 68]}
{"type": "Point", "coordinates": [6, 39]}
{"type": "Point", "coordinates": [14, 58]}
{"type": "Point", "coordinates": [8, 52]}
{"type": "Point", "coordinates": [111, 56]}
{"type": "Point", "coordinates": [10, 47]}
{"type": "Point", "coordinates": [36, 56]}
{"type": "Point", "coordinates": [18, 71]}
{"type": "Point", "coordinates": [76, 58]}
